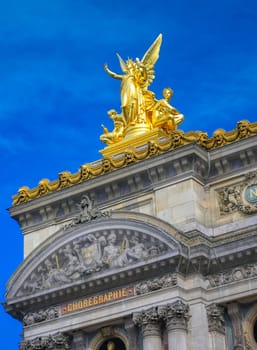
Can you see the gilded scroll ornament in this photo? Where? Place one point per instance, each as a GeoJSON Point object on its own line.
{"type": "Point", "coordinates": [133, 154]}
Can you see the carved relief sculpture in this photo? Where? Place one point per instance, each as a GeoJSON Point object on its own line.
{"type": "Point", "coordinates": [89, 254]}
{"type": "Point", "coordinates": [215, 315]}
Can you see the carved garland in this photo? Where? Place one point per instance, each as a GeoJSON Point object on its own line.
{"type": "Point", "coordinates": [176, 139]}
{"type": "Point", "coordinates": [53, 341]}
{"type": "Point", "coordinates": [232, 275]}
{"type": "Point", "coordinates": [241, 197]}
{"type": "Point", "coordinates": [40, 316]}
{"type": "Point", "coordinates": [158, 283]}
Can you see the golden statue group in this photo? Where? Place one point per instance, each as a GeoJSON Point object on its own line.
{"type": "Point", "coordinates": [141, 112]}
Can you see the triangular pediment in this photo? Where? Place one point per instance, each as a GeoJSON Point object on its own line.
{"type": "Point", "coordinates": [90, 251]}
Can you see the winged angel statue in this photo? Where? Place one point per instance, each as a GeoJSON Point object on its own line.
{"type": "Point", "coordinates": [141, 112]}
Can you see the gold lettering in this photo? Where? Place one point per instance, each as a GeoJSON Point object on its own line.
{"type": "Point", "coordinates": [106, 298]}
{"type": "Point", "coordinates": [70, 308]}
{"type": "Point", "coordinates": [102, 298]}
{"type": "Point", "coordinates": [116, 295]}
{"type": "Point", "coordinates": [85, 303]}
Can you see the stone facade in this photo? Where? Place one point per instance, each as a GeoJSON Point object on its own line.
{"type": "Point", "coordinates": [160, 254]}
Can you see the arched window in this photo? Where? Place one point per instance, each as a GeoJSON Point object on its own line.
{"type": "Point", "coordinates": [112, 344]}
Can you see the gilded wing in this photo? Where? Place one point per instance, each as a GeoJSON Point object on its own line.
{"type": "Point", "coordinates": [150, 58]}
{"type": "Point", "coordinates": [122, 64]}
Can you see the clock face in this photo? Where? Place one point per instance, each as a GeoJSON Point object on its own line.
{"type": "Point", "coordinates": [251, 194]}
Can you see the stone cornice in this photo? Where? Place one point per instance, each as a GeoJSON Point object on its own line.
{"type": "Point", "coordinates": [189, 161]}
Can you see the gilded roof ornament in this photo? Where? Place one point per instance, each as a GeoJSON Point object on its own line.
{"type": "Point", "coordinates": [141, 113]}
{"type": "Point", "coordinates": [133, 154]}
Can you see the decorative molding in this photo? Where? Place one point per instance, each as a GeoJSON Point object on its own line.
{"type": "Point", "coordinates": [52, 342]}
{"type": "Point", "coordinates": [157, 283]}
{"type": "Point", "coordinates": [40, 316]}
{"type": "Point", "coordinates": [176, 315]}
{"type": "Point", "coordinates": [248, 326]}
{"type": "Point", "coordinates": [134, 154]}
{"type": "Point", "coordinates": [235, 315]}
{"type": "Point", "coordinates": [232, 275]}
{"type": "Point", "coordinates": [215, 315]}
{"type": "Point", "coordinates": [241, 197]}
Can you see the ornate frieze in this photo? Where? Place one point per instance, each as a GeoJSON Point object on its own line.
{"type": "Point", "coordinates": [40, 316]}
{"type": "Point", "coordinates": [157, 283]}
{"type": "Point", "coordinates": [92, 253]}
{"type": "Point", "coordinates": [232, 275]}
{"type": "Point", "coordinates": [241, 197]}
{"type": "Point", "coordinates": [215, 315]}
{"type": "Point", "coordinates": [52, 342]}
{"type": "Point", "coordinates": [176, 315]}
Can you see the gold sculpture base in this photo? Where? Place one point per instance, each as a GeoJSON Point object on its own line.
{"type": "Point", "coordinates": [132, 140]}
{"type": "Point", "coordinates": [136, 130]}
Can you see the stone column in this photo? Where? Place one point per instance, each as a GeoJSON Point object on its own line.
{"type": "Point", "coordinates": [132, 334]}
{"type": "Point", "coordinates": [149, 322]}
{"type": "Point", "coordinates": [236, 320]}
{"type": "Point", "coordinates": [176, 317]}
{"type": "Point", "coordinates": [216, 327]}
{"type": "Point", "coordinates": [79, 340]}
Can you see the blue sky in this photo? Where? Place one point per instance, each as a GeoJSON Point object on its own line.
{"type": "Point", "coordinates": [54, 93]}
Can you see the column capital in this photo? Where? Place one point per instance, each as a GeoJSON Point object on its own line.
{"type": "Point", "coordinates": [176, 315]}
{"type": "Point", "coordinates": [215, 315]}
{"type": "Point", "coordinates": [149, 321]}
